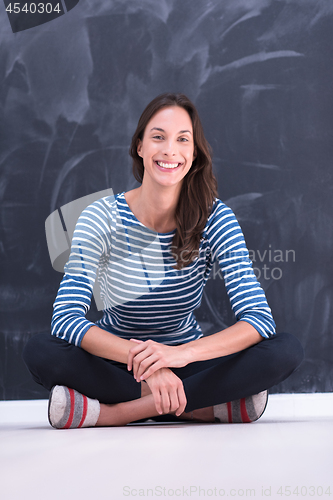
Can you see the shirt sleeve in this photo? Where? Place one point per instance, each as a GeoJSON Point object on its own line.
{"type": "Point", "coordinates": [247, 298]}
{"type": "Point", "coordinates": [90, 245]}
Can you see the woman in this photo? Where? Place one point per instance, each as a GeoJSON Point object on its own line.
{"type": "Point", "coordinates": [153, 249]}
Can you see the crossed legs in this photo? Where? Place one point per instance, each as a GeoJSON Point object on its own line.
{"type": "Point", "coordinates": [144, 408]}
{"type": "Point", "coordinates": [53, 361]}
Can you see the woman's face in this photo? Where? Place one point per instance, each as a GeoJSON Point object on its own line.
{"type": "Point", "coordinates": [167, 147]}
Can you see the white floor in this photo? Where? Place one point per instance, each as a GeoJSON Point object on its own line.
{"type": "Point", "coordinates": [287, 453]}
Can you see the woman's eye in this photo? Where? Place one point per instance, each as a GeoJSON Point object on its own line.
{"type": "Point", "coordinates": [157, 137]}
{"type": "Point", "coordinates": [183, 139]}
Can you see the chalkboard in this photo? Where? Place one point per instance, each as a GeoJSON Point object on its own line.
{"type": "Point", "coordinates": [260, 73]}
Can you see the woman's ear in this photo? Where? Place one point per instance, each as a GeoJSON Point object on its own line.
{"type": "Point", "coordinates": [139, 148]}
{"type": "Point", "coordinates": [195, 153]}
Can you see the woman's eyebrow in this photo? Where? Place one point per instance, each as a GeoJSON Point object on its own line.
{"type": "Point", "coordinates": [156, 128]}
{"type": "Point", "coordinates": [161, 130]}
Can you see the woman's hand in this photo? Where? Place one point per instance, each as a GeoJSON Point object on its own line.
{"type": "Point", "coordinates": [168, 392]}
{"type": "Point", "coordinates": [149, 356]}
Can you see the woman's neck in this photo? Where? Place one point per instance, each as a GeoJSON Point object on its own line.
{"type": "Point", "coordinates": [155, 209]}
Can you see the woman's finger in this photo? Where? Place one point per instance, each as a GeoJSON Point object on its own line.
{"type": "Point", "coordinates": [182, 400]}
{"type": "Point", "coordinates": [174, 400]}
{"type": "Point", "coordinates": [147, 367]}
{"type": "Point", "coordinates": [141, 362]}
{"type": "Point", "coordinates": [156, 365]}
{"type": "Point", "coordinates": [132, 352]}
{"type": "Point", "coordinates": [157, 400]}
{"type": "Point", "coordinates": [165, 400]}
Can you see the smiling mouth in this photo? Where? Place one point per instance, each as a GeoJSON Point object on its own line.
{"type": "Point", "coordinates": [169, 166]}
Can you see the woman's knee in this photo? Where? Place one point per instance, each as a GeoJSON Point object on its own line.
{"type": "Point", "coordinates": [286, 352]}
{"type": "Point", "coordinates": [42, 355]}
{"type": "Point", "coordinates": [33, 349]}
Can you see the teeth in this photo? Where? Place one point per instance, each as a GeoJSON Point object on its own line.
{"type": "Point", "coordinates": [167, 165]}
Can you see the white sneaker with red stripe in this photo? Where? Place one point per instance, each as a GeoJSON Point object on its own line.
{"type": "Point", "coordinates": [68, 409]}
{"type": "Point", "coordinates": [243, 410]}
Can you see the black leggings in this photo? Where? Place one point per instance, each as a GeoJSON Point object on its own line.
{"type": "Point", "coordinates": [53, 361]}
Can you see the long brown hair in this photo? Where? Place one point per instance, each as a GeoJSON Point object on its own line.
{"type": "Point", "coordinates": [199, 187]}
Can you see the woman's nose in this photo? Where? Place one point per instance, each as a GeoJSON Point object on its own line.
{"type": "Point", "coordinates": [170, 148]}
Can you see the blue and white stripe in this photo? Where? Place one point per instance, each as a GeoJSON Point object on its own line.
{"type": "Point", "coordinates": [143, 295]}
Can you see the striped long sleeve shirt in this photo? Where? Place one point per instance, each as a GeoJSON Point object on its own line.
{"type": "Point", "coordinates": [143, 295]}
